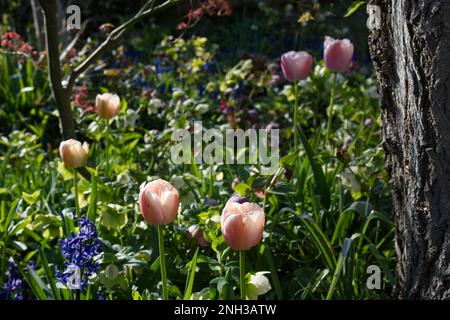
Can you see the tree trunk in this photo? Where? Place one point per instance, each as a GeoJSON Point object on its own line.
{"type": "Point", "coordinates": [411, 56]}
{"type": "Point", "coordinates": [60, 94]}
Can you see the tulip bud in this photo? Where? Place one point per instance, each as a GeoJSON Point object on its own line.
{"type": "Point", "coordinates": [242, 224]}
{"type": "Point", "coordinates": [296, 65]}
{"type": "Point", "coordinates": [73, 153]}
{"type": "Point", "coordinates": [337, 54]}
{"type": "Point", "coordinates": [194, 232]}
{"type": "Point", "coordinates": [107, 105]}
{"type": "Point", "coordinates": [158, 201]}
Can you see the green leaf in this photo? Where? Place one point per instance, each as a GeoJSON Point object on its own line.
{"type": "Point", "coordinates": [382, 261]}
{"type": "Point", "coordinates": [353, 7]}
{"type": "Point", "coordinates": [191, 276]}
{"type": "Point", "coordinates": [320, 240]}
{"type": "Point", "coordinates": [113, 219]}
{"type": "Point", "coordinates": [216, 242]}
{"type": "Point", "coordinates": [273, 272]}
{"type": "Point", "coordinates": [36, 284]}
{"type": "Point", "coordinates": [92, 210]}
{"type": "Point", "coordinates": [361, 207]}
{"type": "Point", "coordinates": [49, 274]}
{"type": "Point", "coordinates": [31, 198]}
{"type": "Point", "coordinates": [65, 173]}
{"type": "Point", "coordinates": [19, 245]}
{"type": "Point", "coordinates": [289, 159]}
{"type": "Point", "coordinates": [319, 177]}
{"type": "Point", "coordinates": [241, 188]}
{"type": "Point", "coordinates": [339, 267]}
{"type": "Point", "coordinates": [155, 265]}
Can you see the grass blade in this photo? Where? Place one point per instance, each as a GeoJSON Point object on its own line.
{"type": "Point", "coordinates": [319, 177]}
{"type": "Point", "coordinates": [191, 276]}
{"type": "Point", "coordinates": [339, 267]}
{"type": "Point", "coordinates": [50, 275]}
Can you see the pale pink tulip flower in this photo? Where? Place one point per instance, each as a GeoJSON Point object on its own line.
{"type": "Point", "coordinates": [158, 201]}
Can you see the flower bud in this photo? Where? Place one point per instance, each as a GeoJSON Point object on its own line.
{"type": "Point", "coordinates": [296, 65]}
{"type": "Point", "coordinates": [194, 232]}
{"type": "Point", "coordinates": [107, 105]}
{"type": "Point", "coordinates": [242, 224]}
{"type": "Point", "coordinates": [73, 153]}
{"type": "Point", "coordinates": [158, 201]}
{"type": "Point", "coordinates": [337, 54]}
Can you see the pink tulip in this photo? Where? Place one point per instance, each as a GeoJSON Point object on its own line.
{"type": "Point", "coordinates": [242, 224]}
{"type": "Point", "coordinates": [158, 201]}
{"type": "Point", "coordinates": [296, 65]}
{"type": "Point", "coordinates": [107, 105]}
{"type": "Point", "coordinates": [194, 232]}
{"type": "Point", "coordinates": [73, 153]}
{"type": "Point", "coordinates": [338, 54]}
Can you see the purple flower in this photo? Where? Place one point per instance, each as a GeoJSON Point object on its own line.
{"type": "Point", "coordinates": [253, 115]}
{"type": "Point", "coordinates": [81, 251]}
{"type": "Point", "coordinates": [14, 284]}
{"type": "Point", "coordinates": [225, 108]}
{"type": "Point", "coordinates": [210, 67]}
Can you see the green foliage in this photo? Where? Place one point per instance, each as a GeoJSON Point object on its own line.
{"type": "Point", "coordinates": [328, 210]}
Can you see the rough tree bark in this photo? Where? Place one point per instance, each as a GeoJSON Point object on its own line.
{"type": "Point", "coordinates": [411, 56]}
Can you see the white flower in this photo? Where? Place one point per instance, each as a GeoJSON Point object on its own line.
{"type": "Point", "coordinates": [350, 181]}
{"type": "Point", "coordinates": [258, 285]}
{"type": "Point", "coordinates": [123, 178]}
{"type": "Point", "coordinates": [130, 119]}
{"type": "Point", "coordinates": [153, 106]}
{"type": "Point", "coordinates": [202, 108]}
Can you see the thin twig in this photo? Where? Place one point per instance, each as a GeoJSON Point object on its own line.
{"type": "Point", "coordinates": [73, 42]}
{"type": "Point", "coordinates": [115, 36]}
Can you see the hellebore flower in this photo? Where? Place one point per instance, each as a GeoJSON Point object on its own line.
{"type": "Point", "coordinates": [337, 54]}
{"type": "Point", "coordinates": [258, 285]}
{"type": "Point", "coordinates": [242, 224]}
{"type": "Point", "coordinates": [107, 105]}
{"type": "Point", "coordinates": [194, 232]}
{"type": "Point", "coordinates": [158, 201]}
{"type": "Point", "coordinates": [296, 65]}
{"type": "Point", "coordinates": [73, 153]}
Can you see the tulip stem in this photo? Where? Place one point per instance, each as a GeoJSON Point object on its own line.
{"type": "Point", "coordinates": [107, 148]}
{"type": "Point", "coordinates": [162, 261]}
{"type": "Point", "coordinates": [242, 274]}
{"type": "Point", "coordinates": [75, 186]}
{"type": "Point", "coordinates": [330, 107]}
{"type": "Point", "coordinates": [294, 127]}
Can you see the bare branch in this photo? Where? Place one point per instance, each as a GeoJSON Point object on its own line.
{"type": "Point", "coordinates": [60, 94]}
{"type": "Point", "coordinates": [147, 10]}
{"type": "Point", "coordinates": [73, 42]}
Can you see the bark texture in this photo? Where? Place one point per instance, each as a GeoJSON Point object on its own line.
{"type": "Point", "coordinates": [411, 55]}
{"type": "Point", "coordinates": [60, 94]}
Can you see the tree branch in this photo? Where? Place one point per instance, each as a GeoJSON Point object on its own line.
{"type": "Point", "coordinates": [60, 94]}
{"type": "Point", "coordinates": [115, 35]}
{"type": "Point", "coordinates": [73, 42]}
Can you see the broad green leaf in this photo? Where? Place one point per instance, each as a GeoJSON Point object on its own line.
{"type": "Point", "coordinates": [31, 198]}
{"type": "Point", "coordinates": [65, 173]}
{"type": "Point", "coordinates": [113, 219]}
{"type": "Point", "coordinates": [241, 188]}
